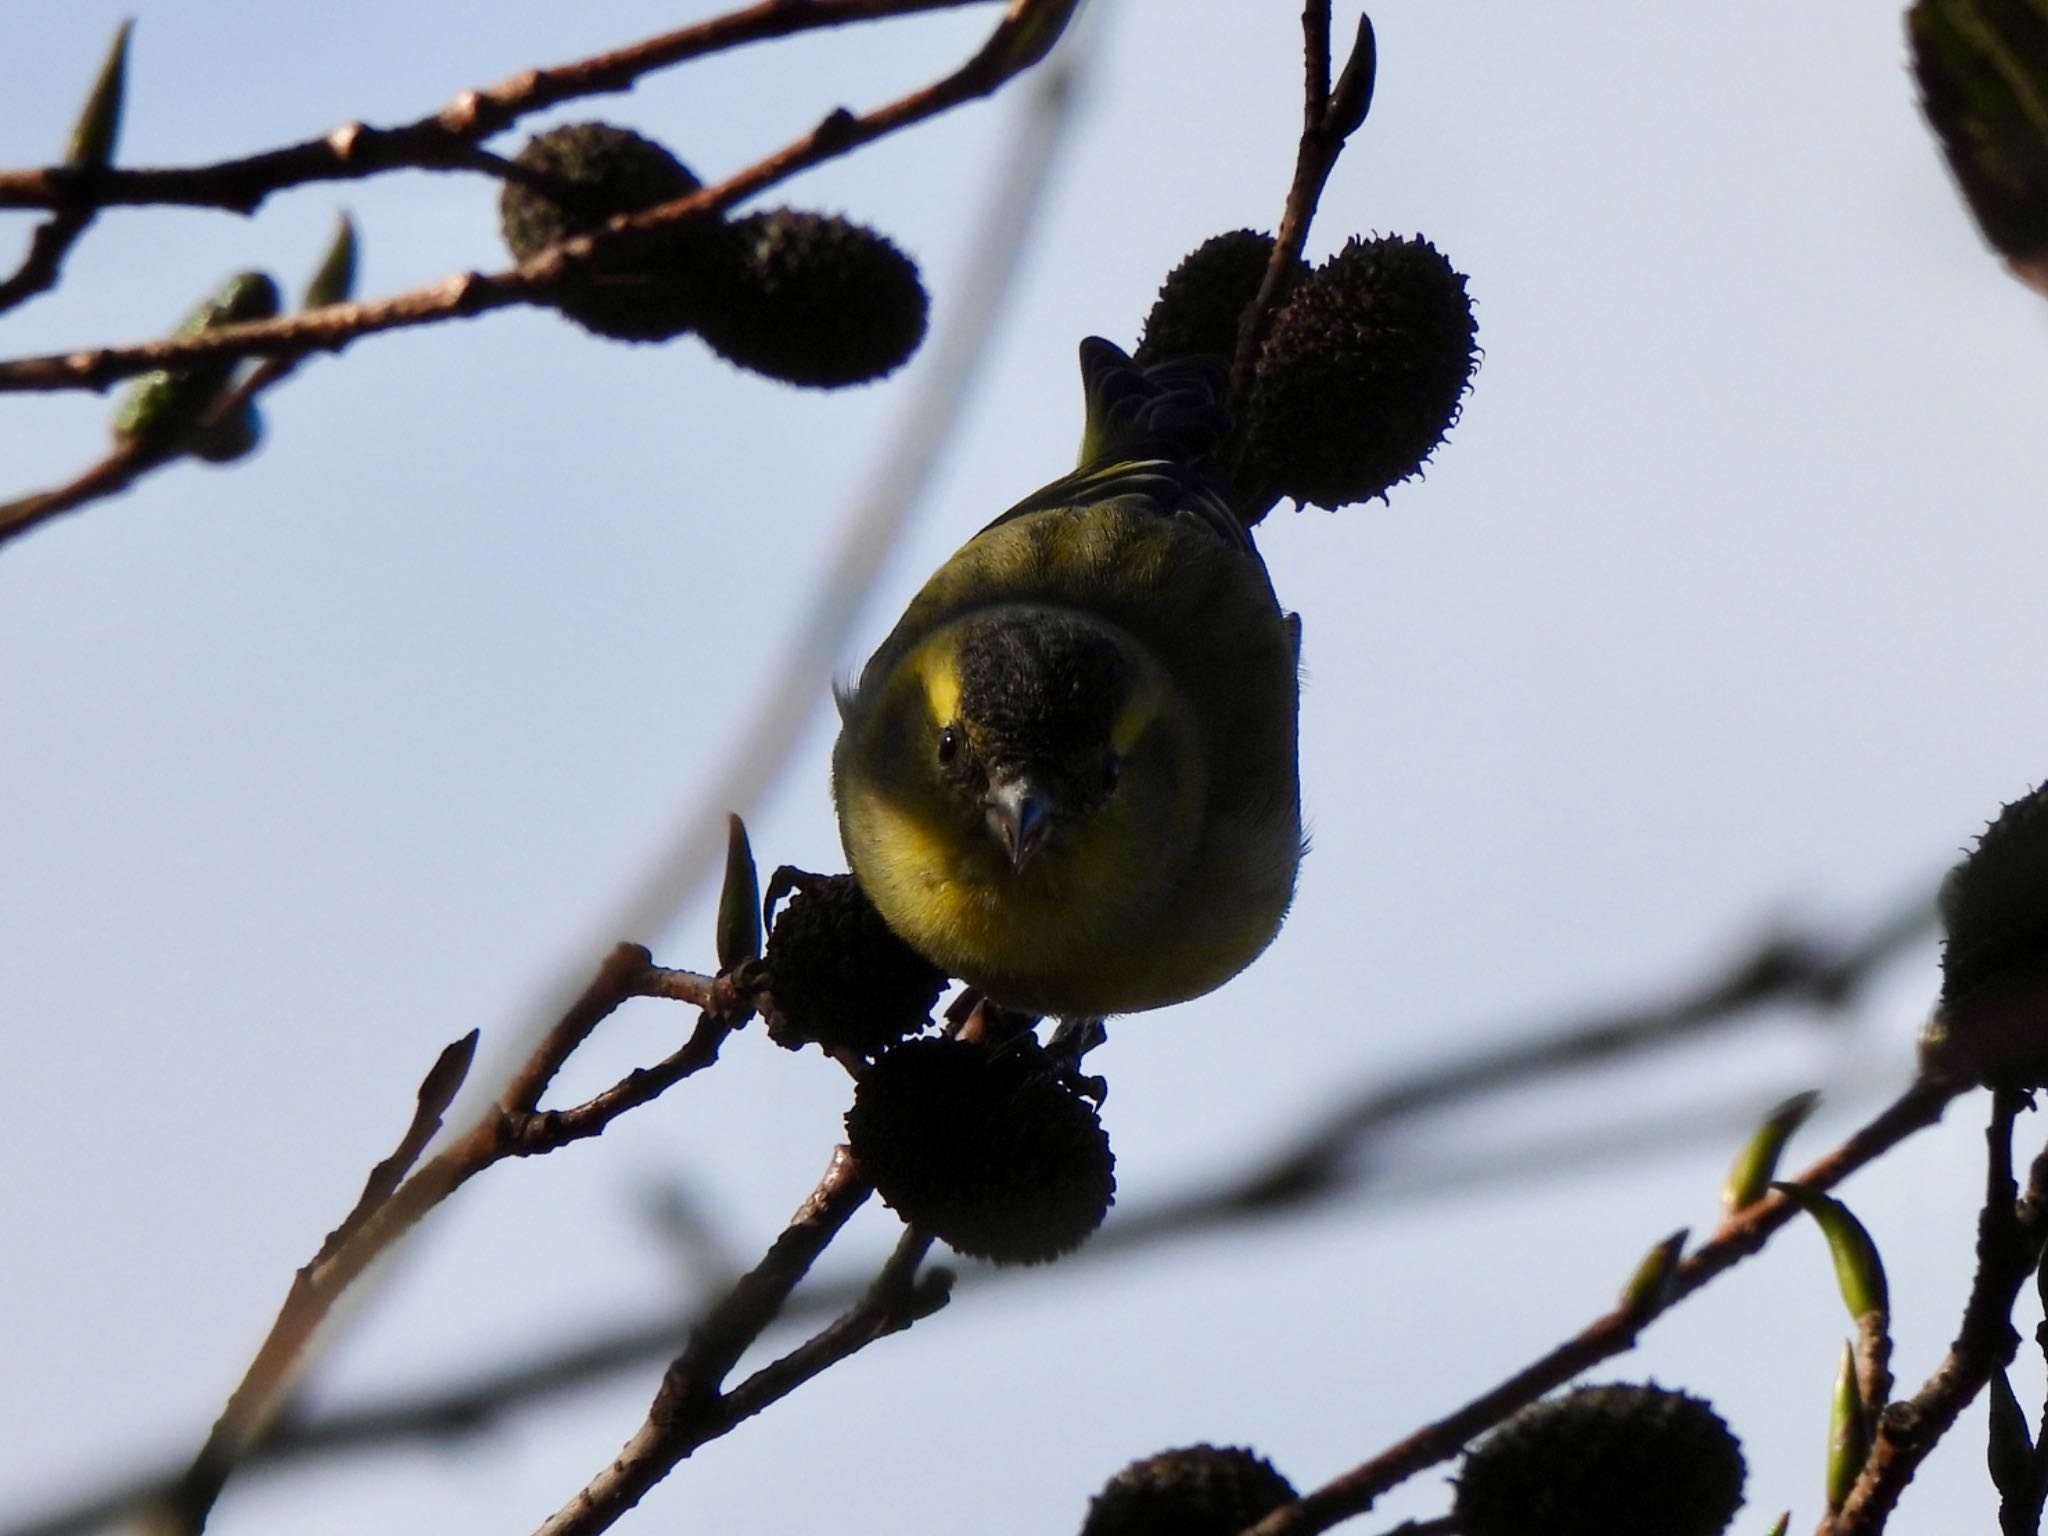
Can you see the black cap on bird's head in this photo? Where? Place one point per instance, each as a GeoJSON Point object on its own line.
{"type": "Point", "coordinates": [1040, 697]}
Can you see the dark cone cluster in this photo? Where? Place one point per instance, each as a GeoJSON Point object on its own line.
{"type": "Point", "coordinates": [807, 298]}
{"type": "Point", "coordinates": [1982, 70]}
{"type": "Point", "coordinates": [1994, 965]}
{"type": "Point", "coordinates": [813, 300]}
{"type": "Point", "coordinates": [1203, 299]}
{"type": "Point", "coordinates": [1361, 375]}
{"type": "Point", "coordinates": [988, 1149]}
{"type": "Point", "coordinates": [837, 975]}
{"type": "Point", "coordinates": [1201, 1490]}
{"type": "Point", "coordinates": [1604, 1461]}
{"type": "Point", "coordinates": [594, 172]}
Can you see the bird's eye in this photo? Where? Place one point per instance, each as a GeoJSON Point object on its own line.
{"type": "Point", "coordinates": [1112, 770]}
{"type": "Point", "coordinates": [949, 745]}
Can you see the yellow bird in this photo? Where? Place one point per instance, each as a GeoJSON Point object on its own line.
{"type": "Point", "coordinates": [1068, 776]}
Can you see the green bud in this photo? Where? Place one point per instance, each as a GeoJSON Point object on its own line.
{"type": "Point", "coordinates": [1351, 96]}
{"type": "Point", "coordinates": [334, 280]}
{"type": "Point", "coordinates": [1784, 1524]}
{"type": "Point", "coordinates": [1858, 1270]}
{"type": "Point", "coordinates": [739, 900]}
{"type": "Point", "coordinates": [98, 128]}
{"type": "Point", "coordinates": [245, 296]}
{"type": "Point", "coordinates": [1650, 1286]}
{"type": "Point", "coordinates": [2009, 1452]}
{"type": "Point", "coordinates": [1027, 34]}
{"type": "Point", "coordinates": [1750, 1177]}
{"type": "Point", "coordinates": [1848, 1432]}
{"type": "Point", "coordinates": [160, 408]}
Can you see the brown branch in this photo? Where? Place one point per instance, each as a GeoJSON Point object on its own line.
{"type": "Point", "coordinates": [445, 140]}
{"type": "Point", "coordinates": [437, 1091]}
{"type": "Point", "coordinates": [109, 477]}
{"type": "Point", "coordinates": [471, 293]}
{"type": "Point", "coordinates": [130, 462]}
{"type": "Point", "coordinates": [2010, 1238]}
{"type": "Point", "coordinates": [1328, 121]}
{"type": "Point", "coordinates": [690, 1409]}
{"type": "Point", "coordinates": [50, 243]}
{"type": "Point", "coordinates": [1802, 969]}
{"type": "Point", "coordinates": [512, 1127]}
{"type": "Point", "coordinates": [1741, 1235]}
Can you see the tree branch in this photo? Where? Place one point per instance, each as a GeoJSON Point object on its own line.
{"type": "Point", "coordinates": [2010, 1238]}
{"type": "Point", "coordinates": [690, 1409]}
{"type": "Point", "coordinates": [1328, 121]}
{"type": "Point", "coordinates": [445, 140]}
{"type": "Point", "coordinates": [1816, 970]}
{"type": "Point", "coordinates": [1741, 1235]}
{"type": "Point", "coordinates": [48, 245]}
{"type": "Point", "coordinates": [331, 328]}
{"type": "Point", "coordinates": [510, 1128]}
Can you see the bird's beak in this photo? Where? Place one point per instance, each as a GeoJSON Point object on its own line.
{"type": "Point", "coordinates": [1019, 815]}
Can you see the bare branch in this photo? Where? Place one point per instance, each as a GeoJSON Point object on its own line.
{"type": "Point", "coordinates": [47, 247]}
{"type": "Point", "coordinates": [1741, 1235]}
{"type": "Point", "coordinates": [465, 294]}
{"type": "Point", "coordinates": [1327, 123]}
{"type": "Point", "coordinates": [1812, 969]}
{"type": "Point", "coordinates": [690, 1409]}
{"type": "Point", "coordinates": [510, 1128]}
{"type": "Point", "coordinates": [447, 139]}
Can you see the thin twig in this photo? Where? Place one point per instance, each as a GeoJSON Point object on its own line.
{"type": "Point", "coordinates": [512, 1128]}
{"type": "Point", "coordinates": [43, 263]}
{"type": "Point", "coordinates": [334, 326]}
{"type": "Point", "coordinates": [2010, 1238]}
{"type": "Point", "coordinates": [1741, 1235]}
{"type": "Point", "coordinates": [445, 140]}
{"type": "Point", "coordinates": [111, 476]}
{"type": "Point", "coordinates": [1327, 122]}
{"type": "Point", "coordinates": [1810, 969]}
{"type": "Point", "coordinates": [690, 1409]}
{"type": "Point", "coordinates": [130, 462]}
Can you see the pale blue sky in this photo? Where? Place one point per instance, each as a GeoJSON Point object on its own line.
{"type": "Point", "coordinates": [1723, 602]}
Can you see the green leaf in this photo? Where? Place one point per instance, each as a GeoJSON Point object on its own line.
{"type": "Point", "coordinates": [1858, 1269]}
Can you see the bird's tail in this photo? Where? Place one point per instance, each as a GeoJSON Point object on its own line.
{"type": "Point", "coordinates": [1152, 431]}
{"type": "Point", "coordinates": [1170, 410]}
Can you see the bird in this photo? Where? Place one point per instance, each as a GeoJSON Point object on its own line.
{"type": "Point", "coordinates": [1068, 776]}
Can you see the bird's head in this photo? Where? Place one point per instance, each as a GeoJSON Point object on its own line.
{"type": "Point", "coordinates": [1048, 743]}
